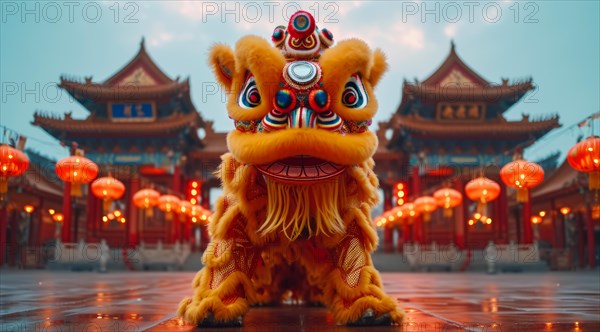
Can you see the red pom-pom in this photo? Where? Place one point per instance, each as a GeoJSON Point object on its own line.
{"type": "Point", "coordinates": [302, 24]}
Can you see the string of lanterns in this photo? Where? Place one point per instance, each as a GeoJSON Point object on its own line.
{"type": "Point", "coordinates": [519, 174]}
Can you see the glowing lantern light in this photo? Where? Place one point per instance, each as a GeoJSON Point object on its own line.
{"type": "Point", "coordinates": [59, 217]}
{"type": "Point", "coordinates": [168, 204]}
{"type": "Point", "coordinates": [565, 210]}
{"type": "Point", "coordinates": [482, 190]}
{"type": "Point", "coordinates": [108, 189]}
{"type": "Point", "coordinates": [77, 170]}
{"type": "Point", "coordinates": [448, 199]}
{"type": "Point", "coordinates": [28, 208]}
{"type": "Point", "coordinates": [397, 211]}
{"type": "Point", "coordinates": [146, 199]}
{"type": "Point", "coordinates": [585, 157]}
{"type": "Point", "coordinates": [410, 211]}
{"type": "Point", "coordinates": [536, 220]}
{"type": "Point", "coordinates": [206, 216]}
{"type": "Point", "coordinates": [185, 208]}
{"type": "Point", "coordinates": [522, 175]}
{"type": "Point", "coordinates": [425, 205]}
{"type": "Point", "coordinates": [12, 163]}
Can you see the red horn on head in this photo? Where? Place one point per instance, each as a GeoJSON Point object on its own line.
{"type": "Point", "coordinates": [302, 24]}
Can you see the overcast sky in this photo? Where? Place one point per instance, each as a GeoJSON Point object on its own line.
{"type": "Point", "coordinates": [555, 42]}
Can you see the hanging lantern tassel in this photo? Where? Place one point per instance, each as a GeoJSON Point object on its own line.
{"type": "Point", "coordinates": [594, 180]}
{"type": "Point", "coordinates": [106, 204]}
{"type": "Point", "coordinates": [448, 212]}
{"type": "Point", "coordinates": [426, 216]}
{"type": "Point", "coordinates": [149, 212]}
{"type": "Point", "coordinates": [482, 207]}
{"type": "Point", "coordinates": [75, 189]}
{"type": "Point", "coordinates": [169, 215]}
{"type": "Point", "coordinates": [522, 195]}
{"type": "Point", "coordinates": [3, 185]}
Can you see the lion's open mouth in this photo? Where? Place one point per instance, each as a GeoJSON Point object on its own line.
{"type": "Point", "coordinates": [301, 168]}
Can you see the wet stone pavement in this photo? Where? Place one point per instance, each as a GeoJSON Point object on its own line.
{"type": "Point", "coordinates": [146, 301]}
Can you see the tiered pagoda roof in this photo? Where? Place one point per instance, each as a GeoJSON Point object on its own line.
{"type": "Point", "coordinates": [500, 128]}
{"type": "Point", "coordinates": [139, 100]}
{"type": "Point", "coordinates": [91, 126]}
{"type": "Point", "coordinates": [456, 111]}
{"type": "Point", "coordinates": [454, 80]}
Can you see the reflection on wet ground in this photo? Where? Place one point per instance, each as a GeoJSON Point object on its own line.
{"type": "Point", "coordinates": [140, 301]}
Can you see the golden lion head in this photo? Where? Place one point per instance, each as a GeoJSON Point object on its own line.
{"type": "Point", "coordinates": [302, 107]}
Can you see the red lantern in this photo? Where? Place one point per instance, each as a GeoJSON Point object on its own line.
{"type": "Point", "coordinates": [146, 199]}
{"type": "Point", "coordinates": [425, 205]}
{"type": "Point", "coordinates": [76, 170]}
{"type": "Point", "coordinates": [522, 175]}
{"type": "Point", "coordinates": [482, 190]}
{"type": "Point", "coordinates": [447, 198]}
{"type": "Point", "coordinates": [199, 213]}
{"type": "Point", "coordinates": [108, 189]}
{"type": "Point", "coordinates": [409, 211]}
{"type": "Point", "coordinates": [12, 163]}
{"type": "Point", "coordinates": [185, 208]}
{"type": "Point", "coordinates": [585, 157]}
{"type": "Point", "coordinates": [168, 204]}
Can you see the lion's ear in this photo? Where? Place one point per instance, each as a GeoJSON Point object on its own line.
{"type": "Point", "coordinates": [378, 67]}
{"type": "Point", "coordinates": [223, 63]}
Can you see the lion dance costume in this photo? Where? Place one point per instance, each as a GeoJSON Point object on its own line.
{"type": "Point", "coordinates": [298, 183]}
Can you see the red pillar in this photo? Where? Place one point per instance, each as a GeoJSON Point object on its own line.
{"type": "Point", "coordinates": [416, 191]}
{"type": "Point", "coordinates": [3, 229]}
{"type": "Point", "coordinates": [90, 215]}
{"type": "Point", "coordinates": [502, 235]}
{"type": "Point", "coordinates": [67, 208]}
{"type": "Point", "coordinates": [132, 213]}
{"type": "Point", "coordinates": [556, 243]}
{"type": "Point", "coordinates": [527, 229]}
{"type": "Point", "coordinates": [591, 241]}
{"type": "Point", "coordinates": [175, 228]}
{"type": "Point", "coordinates": [418, 230]}
{"type": "Point", "coordinates": [388, 231]}
{"type": "Point", "coordinates": [459, 217]}
{"type": "Point", "coordinates": [405, 232]}
{"type": "Point", "coordinates": [580, 239]}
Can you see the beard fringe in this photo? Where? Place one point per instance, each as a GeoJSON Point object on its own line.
{"type": "Point", "coordinates": [314, 208]}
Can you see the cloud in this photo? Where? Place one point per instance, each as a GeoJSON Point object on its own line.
{"type": "Point", "coordinates": [195, 10]}
{"type": "Point", "coordinates": [450, 30]}
{"type": "Point", "coordinates": [160, 38]}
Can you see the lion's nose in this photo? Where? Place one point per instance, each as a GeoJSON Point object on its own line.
{"type": "Point", "coordinates": [302, 117]}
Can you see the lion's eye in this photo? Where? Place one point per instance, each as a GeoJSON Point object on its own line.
{"type": "Point", "coordinates": [355, 95]}
{"type": "Point", "coordinates": [249, 96]}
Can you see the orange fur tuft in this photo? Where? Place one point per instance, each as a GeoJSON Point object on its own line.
{"type": "Point", "coordinates": [339, 63]}
{"type": "Point", "coordinates": [222, 61]}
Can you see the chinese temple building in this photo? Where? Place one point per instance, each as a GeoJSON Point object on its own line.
{"type": "Point", "coordinates": [144, 130]}
{"type": "Point", "coordinates": [448, 129]}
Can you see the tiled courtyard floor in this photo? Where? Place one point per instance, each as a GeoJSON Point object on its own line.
{"type": "Point", "coordinates": [140, 301]}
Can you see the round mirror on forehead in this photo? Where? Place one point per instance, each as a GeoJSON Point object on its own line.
{"type": "Point", "coordinates": [302, 72]}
